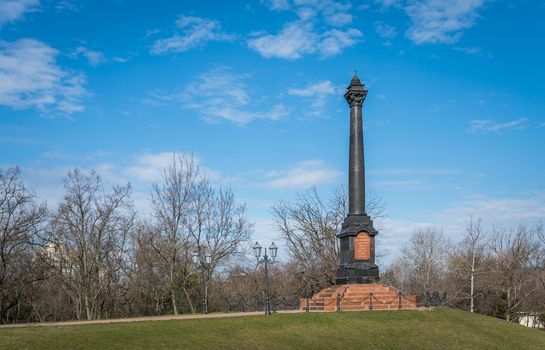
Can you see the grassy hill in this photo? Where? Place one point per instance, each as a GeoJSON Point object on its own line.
{"type": "Point", "coordinates": [439, 329]}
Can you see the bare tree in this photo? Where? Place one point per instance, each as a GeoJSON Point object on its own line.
{"type": "Point", "coordinates": [90, 236]}
{"type": "Point", "coordinates": [467, 263]}
{"type": "Point", "coordinates": [170, 203]}
{"type": "Point", "coordinates": [193, 215]}
{"type": "Point", "coordinates": [217, 225]}
{"type": "Point", "coordinates": [474, 243]}
{"type": "Point", "coordinates": [515, 254]}
{"type": "Point", "coordinates": [310, 224]}
{"type": "Point", "coordinates": [150, 293]}
{"type": "Point", "coordinates": [425, 256]}
{"type": "Point", "coordinates": [20, 221]}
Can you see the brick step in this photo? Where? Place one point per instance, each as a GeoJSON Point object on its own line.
{"type": "Point", "coordinates": [357, 292]}
{"type": "Point", "coordinates": [387, 302]}
{"type": "Point", "coordinates": [366, 301]}
{"type": "Point", "coordinates": [376, 307]}
{"type": "Point", "coordinates": [375, 292]}
{"type": "Point", "coordinates": [367, 293]}
{"type": "Point", "coordinates": [368, 288]}
{"type": "Point", "coordinates": [358, 298]}
{"type": "Point", "coordinates": [375, 297]}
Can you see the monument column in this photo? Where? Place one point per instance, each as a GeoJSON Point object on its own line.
{"type": "Point", "coordinates": [355, 95]}
{"type": "Point", "coordinates": [357, 236]}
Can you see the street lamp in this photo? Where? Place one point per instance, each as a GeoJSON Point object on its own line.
{"type": "Point", "coordinates": [202, 262]}
{"type": "Point", "coordinates": [273, 249]}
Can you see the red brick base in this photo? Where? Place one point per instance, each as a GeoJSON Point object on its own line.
{"type": "Point", "coordinates": [358, 297]}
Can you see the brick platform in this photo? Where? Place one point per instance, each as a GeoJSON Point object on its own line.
{"type": "Point", "coordinates": [358, 297]}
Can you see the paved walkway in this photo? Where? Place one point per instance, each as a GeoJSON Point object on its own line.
{"type": "Point", "coordinates": [142, 319]}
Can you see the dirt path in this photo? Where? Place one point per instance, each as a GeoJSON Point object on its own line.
{"type": "Point", "coordinates": [141, 319]}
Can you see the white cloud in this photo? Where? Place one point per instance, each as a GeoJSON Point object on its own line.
{"type": "Point", "coordinates": [501, 211]}
{"type": "Point", "coordinates": [321, 88]}
{"type": "Point", "coordinates": [440, 21]}
{"type": "Point", "coordinates": [402, 184]}
{"type": "Point", "coordinates": [333, 12]}
{"type": "Point", "coordinates": [308, 35]}
{"type": "Point", "coordinates": [413, 171]}
{"type": "Point", "coordinates": [141, 170]}
{"type": "Point", "coordinates": [94, 57]}
{"type": "Point", "coordinates": [148, 167]}
{"type": "Point", "coordinates": [292, 42]}
{"type": "Point", "coordinates": [485, 126]}
{"type": "Point", "coordinates": [335, 41]}
{"type": "Point", "coordinates": [299, 38]}
{"type": "Point", "coordinates": [31, 78]}
{"type": "Point", "coordinates": [393, 233]}
{"type": "Point", "coordinates": [316, 93]}
{"type": "Point", "coordinates": [221, 94]}
{"type": "Point", "coordinates": [385, 31]}
{"type": "Point", "coordinates": [509, 211]}
{"type": "Point", "coordinates": [194, 32]}
{"type": "Point", "coordinates": [120, 59]}
{"type": "Point", "coordinates": [277, 5]}
{"type": "Point", "coordinates": [304, 174]}
{"type": "Point", "coordinates": [265, 231]}
{"type": "Point", "coordinates": [13, 10]}
{"type": "Point", "coordinates": [469, 50]}
{"type": "Point", "coordinates": [67, 6]}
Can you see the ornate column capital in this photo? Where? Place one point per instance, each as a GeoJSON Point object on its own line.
{"type": "Point", "coordinates": [355, 97]}
{"type": "Point", "coordinates": [355, 92]}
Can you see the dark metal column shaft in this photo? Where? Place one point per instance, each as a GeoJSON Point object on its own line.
{"type": "Point", "coordinates": [356, 176]}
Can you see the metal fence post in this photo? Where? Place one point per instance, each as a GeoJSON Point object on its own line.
{"type": "Point", "coordinates": [308, 309]}
{"type": "Point", "coordinates": [225, 306]}
{"type": "Point", "coordinates": [371, 301]}
{"type": "Point", "coordinates": [399, 306]}
{"type": "Point", "coordinates": [338, 302]}
{"type": "Point", "coordinates": [242, 306]}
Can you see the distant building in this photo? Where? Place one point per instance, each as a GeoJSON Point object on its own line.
{"type": "Point", "coordinates": [530, 319]}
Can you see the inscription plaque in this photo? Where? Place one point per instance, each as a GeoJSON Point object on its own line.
{"type": "Point", "coordinates": [362, 246]}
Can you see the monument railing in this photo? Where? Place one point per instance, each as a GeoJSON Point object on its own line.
{"type": "Point", "coordinates": [256, 303]}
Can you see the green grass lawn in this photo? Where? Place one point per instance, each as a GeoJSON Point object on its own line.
{"type": "Point", "coordinates": [439, 329]}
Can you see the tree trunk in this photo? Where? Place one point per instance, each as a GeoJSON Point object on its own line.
{"type": "Point", "coordinates": [508, 311]}
{"type": "Point", "coordinates": [172, 291]}
{"type": "Point", "coordinates": [472, 287]}
{"type": "Point", "coordinates": [87, 309]}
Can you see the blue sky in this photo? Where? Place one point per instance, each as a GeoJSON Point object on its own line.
{"type": "Point", "coordinates": [454, 119]}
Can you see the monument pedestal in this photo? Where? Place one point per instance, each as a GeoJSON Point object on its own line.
{"type": "Point", "coordinates": [357, 251]}
{"type": "Point", "coordinates": [359, 297]}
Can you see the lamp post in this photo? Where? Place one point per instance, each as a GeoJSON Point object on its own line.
{"type": "Point", "coordinates": [266, 260]}
{"type": "Point", "coordinates": [202, 262]}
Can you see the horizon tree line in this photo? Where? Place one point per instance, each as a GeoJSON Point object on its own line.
{"type": "Point", "coordinates": [93, 256]}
